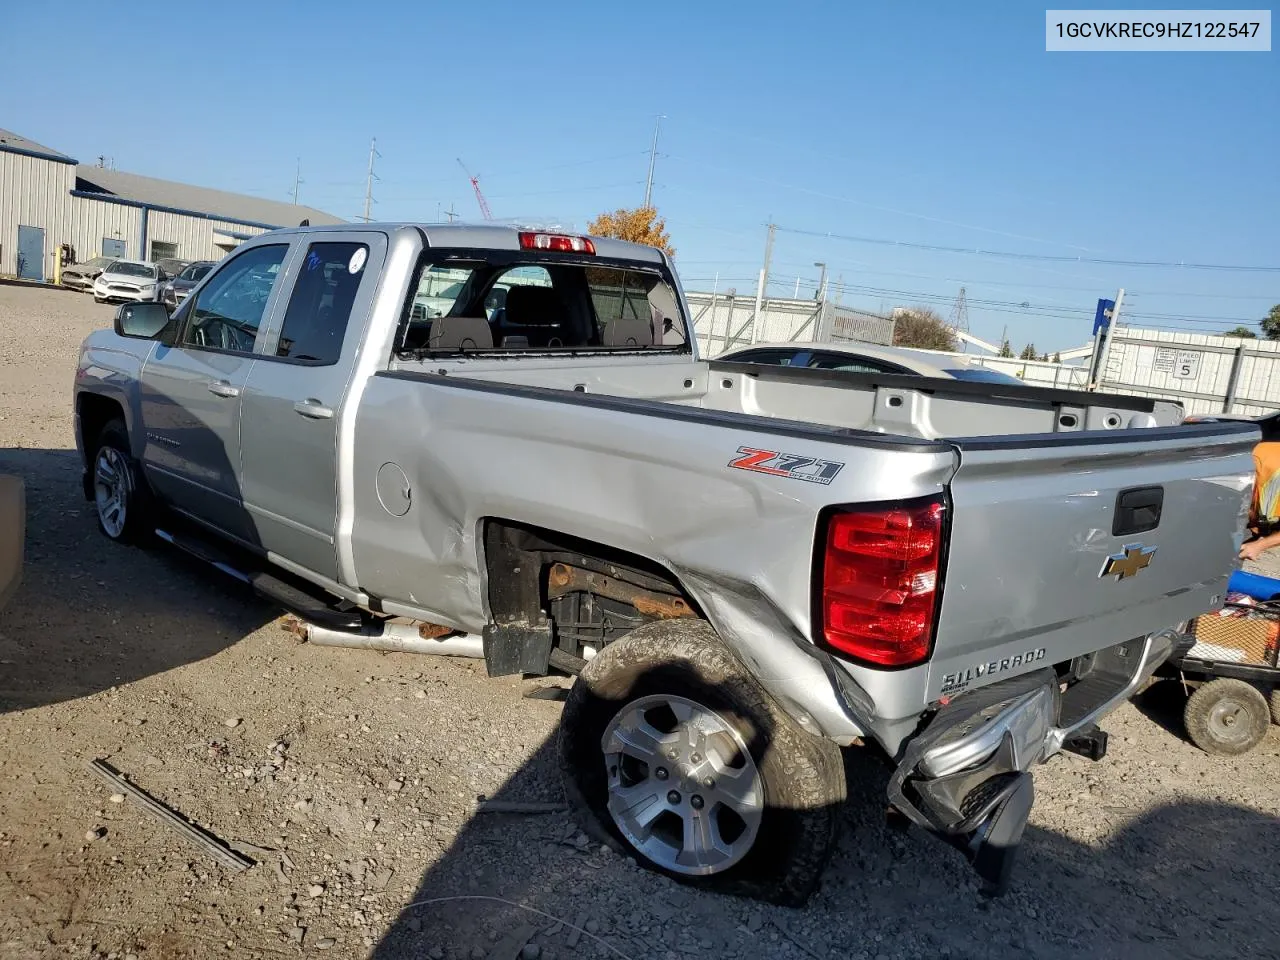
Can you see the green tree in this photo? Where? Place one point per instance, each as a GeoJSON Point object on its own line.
{"type": "Point", "coordinates": [1271, 323]}
{"type": "Point", "coordinates": [1028, 352]}
{"type": "Point", "coordinates": [922, 328]}
{"type": "Point", "coordinates": [1243, 332]}
{"type": "Point", "coordinates": [1005, 349]}
{"type": "Point", "coordinates": [1057, 357]}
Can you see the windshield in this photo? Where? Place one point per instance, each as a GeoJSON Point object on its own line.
{"type": "Point", "coordinates": [195, 273]}
{"type": "Point", "coordinates": [981, 375]}
{"type": "Point", "coordinates": [133, 270]}
{"type": "Point", "coordinates": [97, 263]}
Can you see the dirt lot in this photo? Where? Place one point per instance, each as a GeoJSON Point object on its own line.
{"type": "Point", "coordinates": [358, 773]}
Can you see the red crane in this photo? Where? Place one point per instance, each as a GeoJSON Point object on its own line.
{"type": "Point", "coordinates": [475, 185]}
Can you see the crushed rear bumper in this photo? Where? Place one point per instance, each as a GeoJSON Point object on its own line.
{"type": "Point", "coordinates": [966, 777]}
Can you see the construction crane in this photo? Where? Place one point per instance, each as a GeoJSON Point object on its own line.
{"type": "Point", "coordinates": [475, 185]}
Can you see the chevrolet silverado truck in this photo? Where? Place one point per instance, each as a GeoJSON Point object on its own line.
{"type": "Point", "coordinates": [746, 566]}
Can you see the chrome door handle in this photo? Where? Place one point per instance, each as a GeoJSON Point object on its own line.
{"type": "Point", "coordinates": [220, 388]}
{"type": "Point", "coordinates": [313, 409]}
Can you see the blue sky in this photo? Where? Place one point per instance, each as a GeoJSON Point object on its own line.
{"type": "Point", "coordinates": [938, 124]}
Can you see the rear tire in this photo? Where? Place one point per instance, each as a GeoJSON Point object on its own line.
{"type": "Point", "coordinates": [755, 813]}
{"type": "Point", "coordinates": [1227, 717]}
{"type": "Point", "coordinates": [120, 495]}
{"type": "Point", "coordinates": [1275, 705]}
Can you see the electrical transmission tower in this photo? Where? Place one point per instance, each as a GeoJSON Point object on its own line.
{"type": "Point", "coordinates": [959, 320]}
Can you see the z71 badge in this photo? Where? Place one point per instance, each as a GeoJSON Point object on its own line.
{"type": "Point", "coordinates": [788, 465]}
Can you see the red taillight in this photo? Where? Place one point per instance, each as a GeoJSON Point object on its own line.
{"type": "Point", "coordinates": [557, 242]}
{"type": "Point", "coordinates": [880, 582]}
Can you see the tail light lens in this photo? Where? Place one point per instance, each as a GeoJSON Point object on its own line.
{"type": "Point", "coordinates": [558, 242]}
{"type": "Point", "coordinates": [880, 573]}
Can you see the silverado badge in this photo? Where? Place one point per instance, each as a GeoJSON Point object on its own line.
{"type": "Point", "coordinates": [1129, 563]}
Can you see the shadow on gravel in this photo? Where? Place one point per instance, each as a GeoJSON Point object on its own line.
{"type": "Point", "coordinates": [91, 614]}
{"type": "Point", "coordinates": [1185, 880]}
{"type": "Point", "coordinates": [1163, 703]}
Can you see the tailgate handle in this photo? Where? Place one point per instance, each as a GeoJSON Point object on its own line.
{"type": "Point", "coordinates": [1137, 510]}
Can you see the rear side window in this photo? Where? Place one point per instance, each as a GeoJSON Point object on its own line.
{"type": "Point", "coordinates": [315, 322]}
{"type": "Point", "coordinates": [230, 307]}
{"type": "Point", "coordinates": [783, 358]}
{"type": "Point", "coordinates": [853, 364]}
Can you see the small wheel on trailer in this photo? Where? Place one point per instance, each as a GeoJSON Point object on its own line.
{"type": "Point", "coordinates": [1275, 705]}
{"type": "Point", "coordinates": [675, 754]}
{"type": "Point", "coordinates": [1226, 717]}
{"type": "Point", "coordinates": [120, 495]}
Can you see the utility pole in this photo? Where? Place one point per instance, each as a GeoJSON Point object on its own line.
{"type": "Point", "coordinates": [764, 280]}
{"type": "Point", "coordinates": [368, 186]}
{"type": "Point", "coordinates": [822, 282]}
{"type": "Point", "coordinates": [297, 179]}
{"type": "Point", "coordinates": [653, 156]}
{"type": "Point", "coordinates": [450, 214]}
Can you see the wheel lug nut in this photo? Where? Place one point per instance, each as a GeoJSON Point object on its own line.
{"type": "Point", "coordinates": [661, 773]}
{"type": "Point", "coordinates": [708, 783]}
{"type": "Point", "coordinates": [696, 802]}
{"type": "Point", "coordinates": [671, 754]}
{"type": "Point", "coordinates": [696, 758]}
{"type": "Point", "coordinates": [673, 797]}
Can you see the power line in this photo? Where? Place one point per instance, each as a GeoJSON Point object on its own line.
{"type": "Point", "coordinates": [1042, 257]}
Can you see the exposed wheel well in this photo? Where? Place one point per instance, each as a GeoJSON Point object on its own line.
{"type": "Point", "coordinates": [554, 592]}
{"type": "Point", "coordinates": [95, 412]}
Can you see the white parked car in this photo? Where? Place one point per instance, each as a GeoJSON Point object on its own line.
{"type": "Point", "coordinates": [128, 280]}
{"type": "Point", "coordinates": [868, 358]}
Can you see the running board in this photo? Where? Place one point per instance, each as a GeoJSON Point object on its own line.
{"type": "Point", "coordinates": [308, 606]}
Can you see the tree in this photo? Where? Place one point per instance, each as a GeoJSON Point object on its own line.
{"type": "Point", "coordinates": [638, 225]}
{"type": "Point", "coordinates": [1244, 333]}
{"type": "Point", "coordinates": [1005, 349]}
{"type": "Point", "coordinates": [1271, 323]}
{"type": "Point", "coordinates": [1057, 357]}
{"type": "Point", "coordinates": [1028, 352]}
{"type": "Point", "coordinates": [922, 328]}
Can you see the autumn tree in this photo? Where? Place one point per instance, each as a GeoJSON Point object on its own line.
{"type": "Point", "coordinates": [922, 328]}
{"type": "Point", "coordinates": [1243, 332]}
{"type": "Point", "coordinates": [638, 225]}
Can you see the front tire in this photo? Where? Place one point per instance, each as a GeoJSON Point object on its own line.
{"type": "Point", "coordinates": [1227, 717]}
{"type": "Point", "coordinates": [674, 754]}
{"type": "Point", "coordinates": [119, 493]}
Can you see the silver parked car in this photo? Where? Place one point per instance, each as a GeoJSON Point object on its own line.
{"type": "Point", "coordinates": [128, 280]}
{"type": "Point", "coordinates": [174, 291]}
{"type": "Point", "coordinates": [868, 358]}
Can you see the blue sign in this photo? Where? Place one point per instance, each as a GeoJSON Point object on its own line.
{"type": "Point", "coordinates": [1103, 317]}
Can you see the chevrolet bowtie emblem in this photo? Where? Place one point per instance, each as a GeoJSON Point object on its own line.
{"type": "Point", "coordinates": [1131, 562]}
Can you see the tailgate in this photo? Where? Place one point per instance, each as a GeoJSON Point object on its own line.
{"type": "Point", "coordinates": [1056, 550]}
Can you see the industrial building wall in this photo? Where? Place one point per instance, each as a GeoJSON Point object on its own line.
{"type": "Point", "coordinates": [94, 221]}
{"type": "Point", "coordinates": [195, 236]}
{"type": "Point", "coordinates": [35, 193]}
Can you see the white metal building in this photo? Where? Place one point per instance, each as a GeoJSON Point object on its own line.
{"type": "Point", "coordinates": [48, 199]}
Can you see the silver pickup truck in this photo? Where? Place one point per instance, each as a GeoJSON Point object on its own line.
{"type": "Point", "coordinates": [746, 566]}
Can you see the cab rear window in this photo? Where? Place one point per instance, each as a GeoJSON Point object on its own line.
{"type": "Point", "coordinates": [499, 301]}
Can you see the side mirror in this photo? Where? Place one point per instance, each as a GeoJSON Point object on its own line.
{"type": "Point", "coordinates": [141, 320]}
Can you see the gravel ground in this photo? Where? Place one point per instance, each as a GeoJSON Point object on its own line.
{"type": "Point", "coordinates": [354, 775]}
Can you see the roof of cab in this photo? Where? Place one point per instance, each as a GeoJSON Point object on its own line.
{"type": "Point", "coordinates": [491, 236]}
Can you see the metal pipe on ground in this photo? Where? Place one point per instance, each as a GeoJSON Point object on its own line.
{"type": "Point", "coordinates": [398, 638]}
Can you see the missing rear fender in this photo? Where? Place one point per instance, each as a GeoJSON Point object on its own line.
{"type": "Point", "coordinates": [556, 600]}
